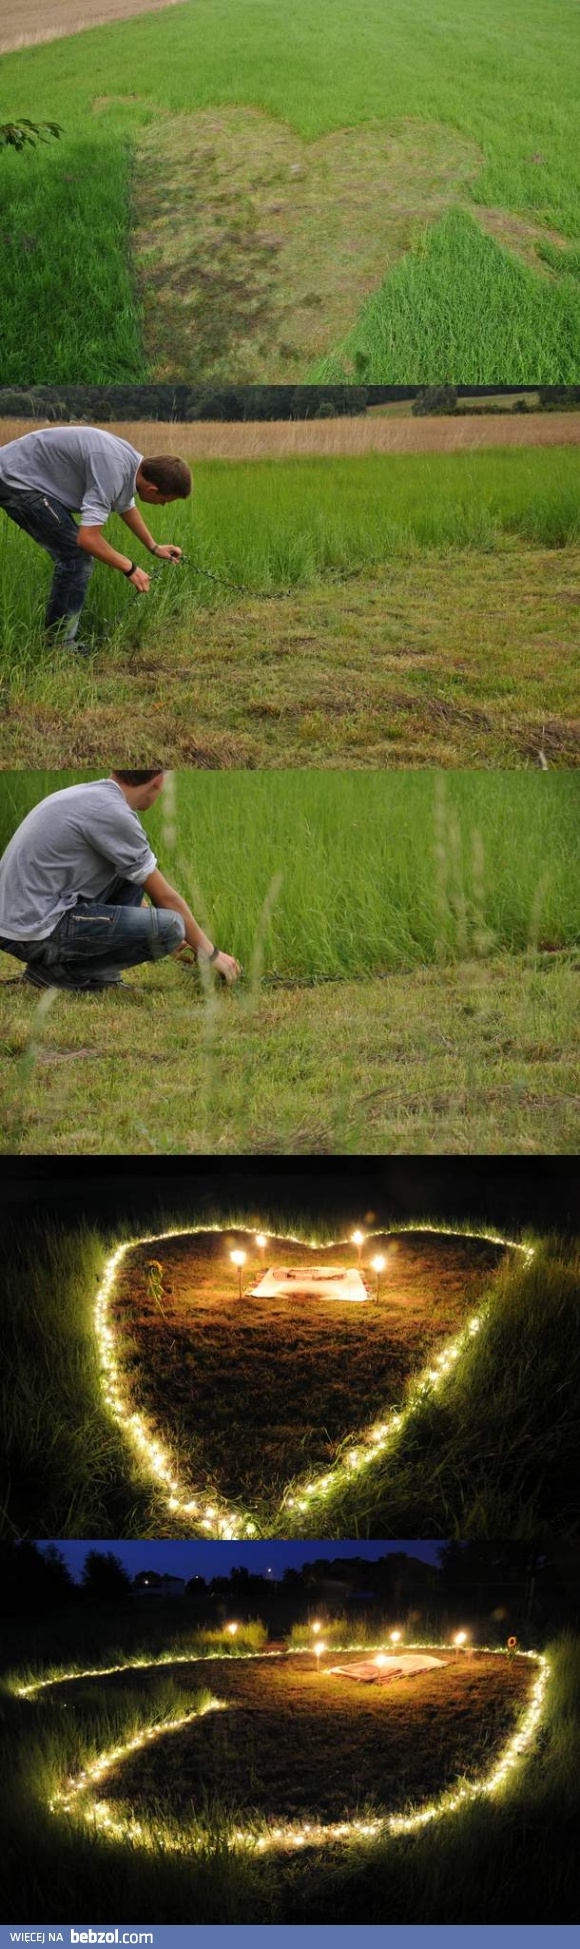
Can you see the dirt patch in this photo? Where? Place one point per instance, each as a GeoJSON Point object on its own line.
{"type": "Point", "coordinates": [20, 18]}
{"type": "Point", "coordinates": [252, 245]}
{"type": "Point", "coordinates": [367, 1746]}
{"type": "Point", "coordinates": [252, 1393]}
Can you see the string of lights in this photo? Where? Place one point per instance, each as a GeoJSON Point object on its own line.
{"type": "Point", "coordinates": [77, 1794]}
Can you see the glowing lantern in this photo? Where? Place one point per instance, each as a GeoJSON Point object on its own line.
{"type": "Point", "coordinates": [460, 1639]}
{"type": "Point", "coordinates": [358, 1239]}
{"type": "Point", "coordinates": [261, 1242]}
{"type": "Point", "coordinates": [395, 1636]}
{"type": "Point", "coordinates": [378, 1266]}
{"type": "Point", "coordinates": [380, 1659]}
{"type": "Point", "coordinates": [318, 1650]}
{"type": "Point", "coordinates": [232, 1628]}
{"type": "Point", "coordinates": [315, 1626]}
{"type": "Point", "coordinates": [239, 1259]}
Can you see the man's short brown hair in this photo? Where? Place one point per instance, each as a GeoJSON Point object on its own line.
{"type": "Point", "coordinates": [168, 474]}
{"type": "Point", "coordinates": [138, 777]}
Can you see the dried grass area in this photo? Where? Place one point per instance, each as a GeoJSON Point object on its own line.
{"type": "Point", "coordinates": [23, 25]}
{"type": "Point", "coordinates": [334, 438]}
{"type": "Point", "coordinates": [382, 1745]}
{"type": "Point", "coordinates": [251, 1394]}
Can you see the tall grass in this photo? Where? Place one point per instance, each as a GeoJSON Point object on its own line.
{"type": "Point", "coordinates": [504, 1436]}
{"type": "Point", "coordinates": [341, 873]}
{"type": "Point", "coordinates": [275, 526]}
{"type": "Point", "coordinates": [460, 307]}
{"type": "Point", "coordinates": [506, 77]}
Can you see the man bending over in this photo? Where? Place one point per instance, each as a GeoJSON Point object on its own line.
{"type": "Point", "coordinates": [72, 886]}
{"type": "Point", "coordinates": [48, 477]}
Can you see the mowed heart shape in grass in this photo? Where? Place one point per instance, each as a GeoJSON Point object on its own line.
{"type": "Point", "coordinates": [234, 1400]}
{"type": "Point", "coordinates": [254, 250]}
{"type": "Point", "coordinates": [237, 1757]}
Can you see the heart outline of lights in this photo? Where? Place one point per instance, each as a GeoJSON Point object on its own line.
{"type": "Point", "coordinates": [214, 1517]}
{"type": "Point", "coordinates": [288, 1835]}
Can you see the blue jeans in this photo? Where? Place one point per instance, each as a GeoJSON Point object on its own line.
{"type": "Point", "coordinates": [97, 938]}
{"type": "Point", "coordinates": [52, 525]}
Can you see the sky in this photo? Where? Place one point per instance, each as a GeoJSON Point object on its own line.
{"type": "Point", "coordinates": [217, 1559]}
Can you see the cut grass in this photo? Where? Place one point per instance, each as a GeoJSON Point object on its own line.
{"type": "Point", "coordinates": [518, 1851]}
{"type": "Point", "coordinates": [503, 86]}
{"type": "Point", "coordinates": [481, 1058]}
{"type": "Point", "coordinates": [250, 1395]}
{"type": "Point", "coordinates": [430, 618]}
{"type": "Point", "coordinates": [249, 242]}
{"type": "Point", "coordinates": [505, 1434]}
{"type": "Point", "coordinates": [442, 1725]}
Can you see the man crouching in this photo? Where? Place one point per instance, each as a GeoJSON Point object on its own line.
{"type": "Point", "coordinates": [72, 886]}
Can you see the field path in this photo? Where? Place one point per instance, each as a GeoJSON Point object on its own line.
{"type": "Point", "coordinates": [343, 437]}
{"type": "Point", "coordinates": [20, 18]}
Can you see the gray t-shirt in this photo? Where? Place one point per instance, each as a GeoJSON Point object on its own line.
{"type": "Point", "coordinates": [69, 848]}
{"type": "Point", "coordinates": [92, 473]}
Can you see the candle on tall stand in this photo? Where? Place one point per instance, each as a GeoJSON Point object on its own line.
{"type": "Point", "coordinates": [358, 1239]}
{"type": "Point", "coordinates": [460, 1640]}
{"type": "Point", "coordinates": [319, 1647]}
{"type": "Point", "coordinates": [395, 1636]}
{"type": "Point", "coordinates": [378, 1266]}
{"type": "Point", "coordinates": [238, 1259]}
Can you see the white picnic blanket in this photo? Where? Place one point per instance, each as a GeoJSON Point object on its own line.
{"type": "Point", "coordinates": [405, 1665]}
{"type": "Point", "coordinates": [311, 1282]}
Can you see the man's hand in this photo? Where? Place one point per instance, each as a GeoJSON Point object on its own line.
{"type": "Point", "coordinates": [140, 581]}
{"type": "Point", "coordinates": [226, 965]}
{"type": "Point", "coordinates": [167, 553]}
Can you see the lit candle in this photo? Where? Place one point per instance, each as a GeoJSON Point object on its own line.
{"type": "Point", "coordinates": [232, 1628]}
{"type": "Point", "coordinates": [358, 1239]}
{"type": "Point", "coordinates": [395, 1637]}
{"type": "Point", "coordinates": [318, 1650]}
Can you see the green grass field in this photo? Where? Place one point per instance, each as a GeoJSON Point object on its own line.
{"type": "Point", "coordinates": [511, 1841]}
{"type": "Point", "coordinates": [430, 618]}
{"type": "Point", "coordinates": [432, 155]}
{"type": "Point", "coordinates": [437, 921]}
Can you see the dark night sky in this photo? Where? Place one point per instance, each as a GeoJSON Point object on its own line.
{"type": "Point", "coordinates": [217, 1559]}
{"type": "Point", "coordinates": [508, 1191]}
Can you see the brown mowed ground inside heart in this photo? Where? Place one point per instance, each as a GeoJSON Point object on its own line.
{"type": "Point", "coordinates": [251, 1394]}
{"type": "Point", "coordinates": [23, 24]}
{"type": "Point", "coordinates": [295, 1742]}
